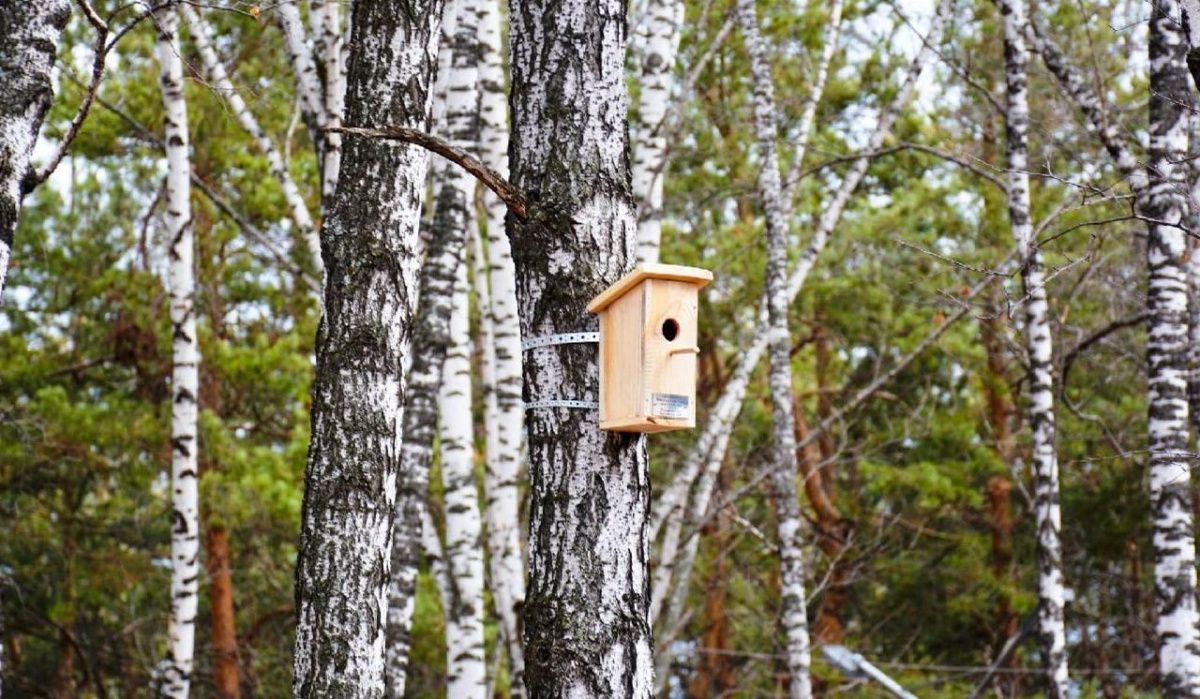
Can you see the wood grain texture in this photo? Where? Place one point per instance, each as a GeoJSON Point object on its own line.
{"type": "Point", "coordinates": [648, 351]}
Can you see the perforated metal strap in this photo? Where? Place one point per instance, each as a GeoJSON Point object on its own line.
{"type": "Point", "coordinates": [563, 403]}
{"type": "Point", "coordinates": [561, 339]}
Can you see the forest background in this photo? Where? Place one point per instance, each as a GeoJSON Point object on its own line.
{"type": "Point", "coordinates": [921, 530]}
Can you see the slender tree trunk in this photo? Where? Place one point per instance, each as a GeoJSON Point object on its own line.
{"type": "Point", "coordinates": [176, 670]}
{"type": "Point", "coordinates": [502, 475]}
{"type": "Point", "coordinates": [660, 44]}
{"type": "Point", "coordinates": [308, 83]}
{"type": "Point", "coordinates": [1167, 359]}
{"type": "Point", "coordinates": [432, 335]}
{"type": "Point", "coordinates": [783, 453]}
{"type": "Point", "coordinates": [1000, 410]}
{"type": "Point", "coordinates": [29, 36]}
{"type": "Point", "coordinates": [1193, 273]}
{"type": "Point", "coordinates": [370, 242]}
{"type": "Point", "coordinates": [1039, 348]}
{"type": "Point", "coordinates": [226, 678]}
{"type": "Point", "coordinates": [223, 85]}
{"type": "Point", "coordinates": [705, 458]}
{"type": "Point", "coordinates": [326, 26]}
{"type": "Point", "coordinates": [466, 662]}
{"type": "Point", "coordinates": [670, 509]}
{"type": "Point", "coordinates": [586, 627]}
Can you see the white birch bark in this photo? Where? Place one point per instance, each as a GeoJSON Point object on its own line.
{"type": "Point", "coordinates": [221, 82]}
{"type": "Point", "coordinates": [1166, 349]}
{"type": "Point", "coordinates": [586, 627]}
{"type": "Point", "coordinates": [794, 615]}
{"type": "Point", "coordinates": [29, 35]}
{"type": "Point", "coordinates": [1039, 348]}
{"type": "Point", "coordinates": [670, 508]}
{"type": "Point", "coordinates": [1189, 16]}
{"type": "Point", "coordinates": [430, 341]}
{"type": "Point", "coordinates": [503, 449]}
{"type": "Point", "coordinates": [360, 389]}
{"type": "Point", "coordinates": [704, 461]}
{"type": "Point", "coordinates": [466, 668]}
{"type": "Point", "coordinates": [308, 83]}
{"type": "Point", "coordinates": [175, 673]}
{"type": "Point", "coordinates": [1193, 272]}
{"type": "Point", "coordinates": [1159, 192]}
{"type": "Point", "coordinates": [329, 48]}
{"type": "Point", "coordinates": [456, 86]}
{"type": "Point", "coordinates": [659, 44]}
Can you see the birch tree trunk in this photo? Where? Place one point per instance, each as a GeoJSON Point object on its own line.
{"type": "Point", "coordinates": [1193, 273]}
{"type": "Point", "coordinates": [370, 244]}
{"type": "Point", "coordinates": [430, 340]}
{"type": "Point", "coordinates": [670, 509]}
{"type": "Point", "coordinates": [431, 336]}
{"type": "Point", "coordinates": [1189, 15]}
{"type": "Point", "coordinates": [503, 450]}
{"type": "Point", "coordinates": [1167, 357]}
{"type": "Point", "coordinates": [176, 671]}
{"type": "Point", "coordinates": [466, 663]}
{"type": "Point", "coordinates": [308, 83]}
{"type": "Point", "coordinates": [783, 439]}
{"type": "Point", "coordinates": [704, 461]}
{"type": "Point", "coordinates": [326, 25]}
{"type": "Point", "coordinates": [659, 44]}
{"type": "Point", "coordinates": [1039, 348]}
{"type": "Point", "coordinates": [29, 36]}
{"type": "Point", "coordinates": [586, 627]}
{"type": "Point", "coordinates": [222, 84]}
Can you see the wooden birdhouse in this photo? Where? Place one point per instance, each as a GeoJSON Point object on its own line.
{"type": "Point", "coordinates": [648, 349]}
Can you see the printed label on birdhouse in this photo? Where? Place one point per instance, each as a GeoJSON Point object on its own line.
{"type": "Point", "coordinates": [669, 405]}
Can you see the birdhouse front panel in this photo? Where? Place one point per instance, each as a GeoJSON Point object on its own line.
{"type": "Point", "coordinates": [648, 351]}
{"type": "Point", "coordinates": [669, 363]}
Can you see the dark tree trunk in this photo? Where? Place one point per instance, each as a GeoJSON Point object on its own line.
{"type": "Point", "coordinates": [587, 631]}
{"type": "Point", "coordinates": [369, 244]}
{"type": "Point", "coordinates": [29, 34]}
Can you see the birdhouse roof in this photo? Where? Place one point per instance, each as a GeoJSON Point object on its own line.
{"type": "Point", "coordinates": [677, 273]}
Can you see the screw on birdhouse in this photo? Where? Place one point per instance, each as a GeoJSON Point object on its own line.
{"type": "Point", "coordinates": [648, 351]}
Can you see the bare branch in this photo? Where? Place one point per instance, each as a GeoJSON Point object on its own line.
{"type": "Point", "coordinates": [509, 194]}
{"type": "Point", "coordinates": [100, 54]}
{"type": "Point", "coordinates": [215, 197]}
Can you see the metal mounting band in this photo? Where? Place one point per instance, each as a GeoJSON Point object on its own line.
{"type": "Point", "coordinates": [562, 339]}
{"type": "Point", "coordinates": [563, 403]}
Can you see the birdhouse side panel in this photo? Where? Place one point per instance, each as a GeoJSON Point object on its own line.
{"type": "Point", "coordinates": [621, 357]}
{"type": "Point", "coordinates": [669, 361]}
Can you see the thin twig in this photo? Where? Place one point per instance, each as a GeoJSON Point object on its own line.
{"type": "Point", "coordinates": [215, 197]}
{"type": "Point", "coordinates": [103, 47]}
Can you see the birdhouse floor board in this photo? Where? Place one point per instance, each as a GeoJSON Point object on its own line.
{"type": "Point", "coordinates": [645, 425]}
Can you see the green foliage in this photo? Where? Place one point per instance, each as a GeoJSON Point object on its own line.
{"type": "Point", "coordinates": [935, 578]}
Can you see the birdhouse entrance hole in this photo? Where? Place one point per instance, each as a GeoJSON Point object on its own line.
{"type": "Point", "coordinates": [670, 329]}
